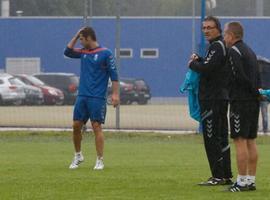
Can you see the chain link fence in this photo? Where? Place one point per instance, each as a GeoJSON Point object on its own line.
{"type": "Point", "coordinates": [153, 39]}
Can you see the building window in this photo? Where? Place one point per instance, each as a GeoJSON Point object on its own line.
{"type": "Point", "coordinates": [125, 53]}
{"type": "Point", "coordinates": [149, 53]}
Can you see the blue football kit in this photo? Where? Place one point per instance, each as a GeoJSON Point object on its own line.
{"type": "Point", "coordinates": [97, 66]}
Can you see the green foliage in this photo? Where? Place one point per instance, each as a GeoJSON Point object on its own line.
{"type": "Point", "coordinates": [148, 166]}
{"type": "Point", "coordinates": [101, 7]}
{"type": "Point", "coordinates": [133, 7]}
{"type": "Point", "coordinates": [48, 7]}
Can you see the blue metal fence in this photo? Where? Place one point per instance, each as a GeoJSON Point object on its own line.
{"type": "Point", "coordinates": [47, 37]}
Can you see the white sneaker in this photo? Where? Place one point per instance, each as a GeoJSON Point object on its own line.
{"type": "Point", "coordinates": [99, 164]}
{"type": "Point", "coordinates": [76, 161]}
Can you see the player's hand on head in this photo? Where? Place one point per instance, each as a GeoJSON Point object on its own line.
{"type": "Point", "coordinates": [78, 32]}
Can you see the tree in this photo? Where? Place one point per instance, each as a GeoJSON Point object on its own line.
{"type": "Point", "coordinates": [133, 7]}
{"type": "Point", "coordinates": [47, 7]}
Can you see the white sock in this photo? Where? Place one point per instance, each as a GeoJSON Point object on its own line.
{"type": "Point", "coordinates": [100, 158]}
{"type": "Point", "coordinates": [251, 179]}
{"type": "Point", "coordinates": [78, 154]}
{"type": "Point", "coordinates": [242, 180]}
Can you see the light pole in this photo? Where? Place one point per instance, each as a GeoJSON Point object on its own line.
{"type": "Point", "coordinates": [193, 26]}
{"type": "Point", "coordinates": [259, 7]}
{"type": "Point", "coordinates": [90, 12]}
{"type": "Point", "coordinates": [87, 16]}
{"type": "Point", "coordinates": [117, 46]}
{"type": "Point", "coordinates": [202, 44]}
{"type": "Point", "coordinates": [210, 5]}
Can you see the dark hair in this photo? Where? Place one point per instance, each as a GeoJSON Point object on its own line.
{"type": "Point", "coordinates": [236, 29]}
{"type": "Point", "coordinates": [215, 20]}
{"type": "Point", "coordinates": [89, 31]}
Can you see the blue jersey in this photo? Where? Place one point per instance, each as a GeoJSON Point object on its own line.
{"type": "Point", "coordinates": [265, 93]}
{"type": "Point", "coordinates": [191, 84]}
{"type": "Point", "coordinates": [97, 66]}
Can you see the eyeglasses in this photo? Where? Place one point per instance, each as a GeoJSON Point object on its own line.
{"type": "Point", "coordinates": [208, 28]}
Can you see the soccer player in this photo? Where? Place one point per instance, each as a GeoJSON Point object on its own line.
{"type": "Point", "coordinates": [97, 66]}
{"type": "Point", "coordinates": [213, 100]}
{"type": "Point", "coordinates": [244, 111]}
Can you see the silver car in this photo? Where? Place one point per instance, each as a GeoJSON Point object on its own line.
{"type": "Point", "coordinates": [33, 95]}
{"type": "Point", "coordinates": [11, 92]}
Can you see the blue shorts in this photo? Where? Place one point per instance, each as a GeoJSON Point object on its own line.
{"type": "Point", "coordinates": [89, 107]}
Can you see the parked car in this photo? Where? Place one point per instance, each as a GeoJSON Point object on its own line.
{"type": "Point", "coordinates": [51, 95]}
{"type": "Point", "coordinates": [10, 91]}
{"type": "Point", "coordinates": [33, 95]}
{"type": "Point", "coordinates": [264, 70]}
{"type": "Point", "coordinates": [142, 90]}
{"type": "Point", "coordinates": [67, 82]}
{"type": "Point", "coordinates": [131, 90]}
{"type": "Point", "coordinates": [127, 93]}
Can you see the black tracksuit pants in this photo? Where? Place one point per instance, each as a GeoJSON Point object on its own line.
{"type": "Point", "coordinates": [215, 134]}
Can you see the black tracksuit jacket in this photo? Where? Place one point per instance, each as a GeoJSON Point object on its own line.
{"type": "Point", "coordinates": [244, 78]}
{"type": "Point", "coordinates": [213, 71]}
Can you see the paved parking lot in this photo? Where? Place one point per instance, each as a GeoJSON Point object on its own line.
{"type": "Point", "coordinates": [153, 116]}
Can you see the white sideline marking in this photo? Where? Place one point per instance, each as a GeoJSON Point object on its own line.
{"type": "Point", "coordinates": [105, 130]}
{"type": "Point", "coordinates": [176, 132]}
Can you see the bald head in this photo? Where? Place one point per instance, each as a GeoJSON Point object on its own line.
{"type": "Point", "coordinates": [236, 29]}
{"type": "Point", "coordinates": [233, 32]}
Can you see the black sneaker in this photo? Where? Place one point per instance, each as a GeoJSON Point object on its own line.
{"type": "Point", "coordinates": [238, 188]}
{"type": "Point", "coordinates": [251, 187]}
{"type": "Point", "coordinates": [228, 181]}
{"type": "Point", "coordinates": [212, 182]}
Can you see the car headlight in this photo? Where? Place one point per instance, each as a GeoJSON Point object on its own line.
{"type": "Point", "coordinates": [52, 92]}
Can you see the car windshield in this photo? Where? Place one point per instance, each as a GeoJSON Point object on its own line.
{"type": "Point", "coordinates": [35, 81]}
{"type": "Point", "coordinates": [140, 82]}
{"type": "Point", "coordinates": [15, 81]}
{"type": "Point", "coordinates": [130, 81]}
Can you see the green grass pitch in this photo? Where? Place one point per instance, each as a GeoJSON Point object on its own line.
{"type": "Point", "coordinates": [139, 166]}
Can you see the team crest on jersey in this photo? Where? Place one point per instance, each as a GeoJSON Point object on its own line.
{"type": "Point", "coordinates": [95, 57]}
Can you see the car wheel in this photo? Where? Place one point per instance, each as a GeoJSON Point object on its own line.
{"type": "Point", "coordinates": [17, 102]}
{"type": "Point", "coordinates": [142, 101]}
{"type": "Point", "coordinates": [128, 102]}
{"type": "Point", "coordinates": [39, 102]}
{"type": "Point", "coordinates": [59, 103]}
{"type": "Point", "coordinates": [1, 101]}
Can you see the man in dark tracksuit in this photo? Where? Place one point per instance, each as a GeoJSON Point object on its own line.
{"type": "Point", "coordinates": [244, 105]}
{"type": "Point", "coordinates": [213, 98]}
